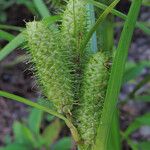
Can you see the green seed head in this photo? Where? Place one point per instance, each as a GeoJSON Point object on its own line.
{"type": "Point", "coordinates": [74, 25]}
{"type": "Point", "coordinates": [51, 64]}
{"type": "Point", "coordinates": [69, 74]}
{"type": "Point", "coordinates": [74, 28]}
{"type": "Point", "coordinates": [87, 116]}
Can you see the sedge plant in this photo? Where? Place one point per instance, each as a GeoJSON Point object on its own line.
{"type": "Point", "coordinates": [77, 70]}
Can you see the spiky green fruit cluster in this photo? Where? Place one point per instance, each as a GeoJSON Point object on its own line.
{"type": "Point", "coordinates": [87, 116]}
{"type": "Point", "coordinates": [69, 74]}
{"type": "Point", "coordinates": [51, 64]}
{"type": "Point", "coordinates": [75, 25]}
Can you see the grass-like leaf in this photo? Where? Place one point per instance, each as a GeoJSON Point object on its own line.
{"type": "Point", "coordinates": [10, 27]}
{"type": "Point", "coordinates": [45, 109]}
{"type": "Point", "coordinates": [115, 81]}
{"type": "Point", "coordinates": [42, 8]}
{"type": "Point", "coordinates": [98, 22]}
{"type": "Point", "coordinates": [137, 123]}
{"type": "Point", "coordinates": [51, 19]}
{"type": "Point", "coordinates": [63, 144]}
{"type": "Point", "coordinates": [29, 4]}
{"type": "Point", "coordinates": [34, 120]}
{"type": "Point", "coordinates": [121, 15]}
{"type": "Point", "coordinates": [6, 36]}
{"type": "Point", "coordinates": [52, 132]}
{"type": "Point", "coordinates": [133, 70]}
{"type": "Point", "coordinates": [143, 98]}
{"type": "Point", "coordinates": [92, 19]}
{"type": "Point", "coordinates": [140, 85]}
{"type": "Point", "coordinates": [23, 135]}
{"type": "Point", "coordinates": [16, 42]}
{"type": "Point", "coordinates": [30, 103]}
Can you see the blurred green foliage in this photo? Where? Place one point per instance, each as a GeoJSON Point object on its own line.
{"type": "Point", "coordinates": [28, 135]}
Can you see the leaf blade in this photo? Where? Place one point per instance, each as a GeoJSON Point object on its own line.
{"type": "Point", "coordinates": [17, 41]}
{"type": "Point", "coordinates": [42, 8]}
{"type": "Point", "coordinates": [34, 120]}
{"type": "Point", "coordinates": [6, 36]}
{"type": "Point", "coordinates": [121, 15]}
{"type": "Point", "coordinates": [137, 123]}
{"type": "Point", "coordinates": [115, 80]}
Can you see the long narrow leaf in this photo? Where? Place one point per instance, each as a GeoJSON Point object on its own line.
{"type": "Point", "coordinates": [51, 20]}
{"type": "Point", "coordinates": [121, 15]}
{"type": "Point", "coordinates": [42, 8]}
{"type": "Point", "coordinates": [16, 42]}
{"type": "Point", "coordinates": [23, 135]}
{"type": "Point", "coordinates": [10, 27]}
{"type": "Point", "coordinates": [92, 22]}
{"type": "Point", "coordinates": [29, 4]}
{"type": "Point", "coordinates": [51, 132]}
{"type": "Point", "coordinates": [34, 120]}
{"type": "Point", "coordinates": [137, 123]}
{"type": "Point", "coordinates": [144, 98]}
{"type": "Point", "coordinates": [98, 22]}
{"type": "Point", "coordinates": [45, 109]}
{"type": "Point", "coordinates": [139, 85]}
{"type": "Point", "coordinates": [132, 73]}
{"type": "Point", "coordinates": [6, 36]}
{"type": "Point", "coordinates": [116, 77]}
{"type": "Point", "coordinates": [30, 103]}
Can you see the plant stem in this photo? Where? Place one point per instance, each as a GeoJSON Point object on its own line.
{"type": "Point", "coordinates": [52, 112]}
{"type": "Point", "coordinates": [115, 81]}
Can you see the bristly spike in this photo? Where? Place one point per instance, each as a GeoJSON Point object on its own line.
{"type": "Point", "coordinates": [51, 63]}
{"type": "Point", "coordinates": [94, 86]}
{"type": "Point", "coordinates": [73, 79]}
{"type": "Point", "coordinates": [75, 25]}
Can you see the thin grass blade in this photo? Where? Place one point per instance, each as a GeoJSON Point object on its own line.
{"type": "Point", "coordinates": [16, 42]}
{"type": "Point", "coordinates": [140, 25]}
{"type": "Point", "coordinates": [45, 109]}
{"type": "Point", "coordinates": [30, 103]}
{"type": "Point", "coordinates": [98, 22]}
{"type": "Point", "coordinates": [92, 19]}
{"type": "Point", "coordinates": [10, 27]}
{"type": "Point", "coordinates": [115, 81]}
{"type": "Point", "coordinates": [42, 8]}
{"type": "Point", "coordinates": [6, 36]}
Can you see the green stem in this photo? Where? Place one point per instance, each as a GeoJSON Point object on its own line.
{"type": "Point", "coordinates": [115, 81]}
{"type": "Point", "coordinates": [52, 112]}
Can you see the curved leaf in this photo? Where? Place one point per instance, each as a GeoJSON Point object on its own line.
{"type": "Point", "coordinates": [16, 42]}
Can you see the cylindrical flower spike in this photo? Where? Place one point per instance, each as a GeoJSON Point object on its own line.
{"type": "Point", "coordinates": [51, 64]}
{"type": "Point", "coordinates": [75, 25]}
{"type": "Point", "coordinates": [94, 86]}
